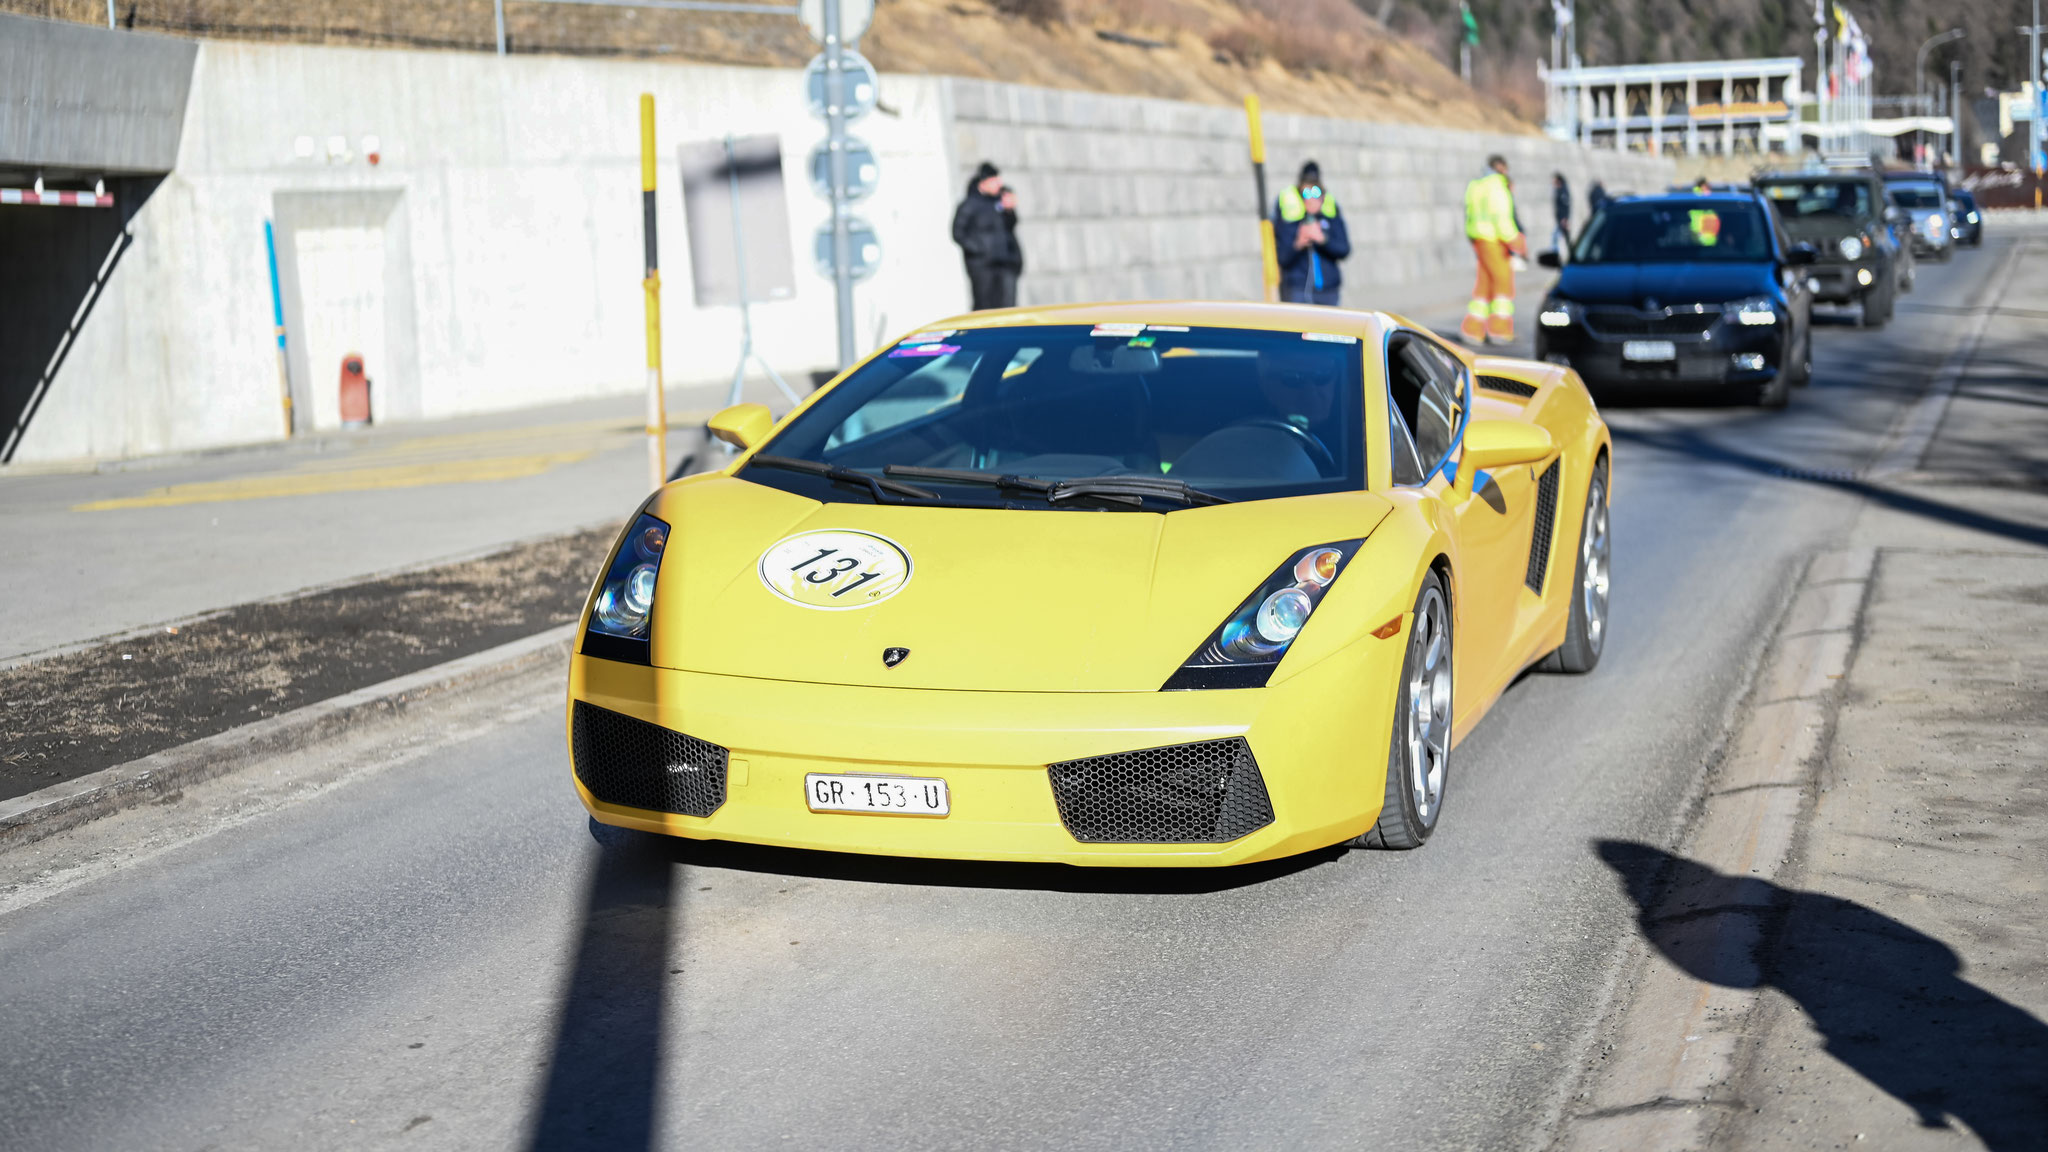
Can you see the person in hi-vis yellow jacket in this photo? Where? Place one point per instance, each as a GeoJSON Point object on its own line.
{"type": "Point", "coordinates": [1490, 225]}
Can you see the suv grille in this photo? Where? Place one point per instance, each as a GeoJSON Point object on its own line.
{"type": "Point", "coordinates": [635, 764]}
{"type": "Point", "coordinates": [1204, 793]}
{"type": "Point", "coordinates": [1667, 322]}
{"type": "Point", "coordinates": [1545, 528]}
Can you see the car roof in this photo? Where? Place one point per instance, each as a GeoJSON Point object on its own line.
{"type": "Point", "coordinates": [1193, 313]}
{"type": "Point", "coordinates": [1716, 197]}
{"type": "Point", "coordinates": [1860, 176]}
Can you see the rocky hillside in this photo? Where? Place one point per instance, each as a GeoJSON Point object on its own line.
{"type": "Point", "coordinates": [1328, 57]}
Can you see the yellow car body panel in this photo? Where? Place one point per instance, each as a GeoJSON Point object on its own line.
{"type": "Point", "coordinates": [1037, 637]}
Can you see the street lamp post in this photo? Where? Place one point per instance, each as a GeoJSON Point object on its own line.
{"type": "Point", "coordinates": [1920, 84]}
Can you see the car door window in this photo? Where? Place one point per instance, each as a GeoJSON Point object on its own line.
{"type": "Point", "coordinates": [1401, 443]}
{"type": "Point", "coordinates": [1426, 386]}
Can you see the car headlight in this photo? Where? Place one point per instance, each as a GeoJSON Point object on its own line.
{"type": "Point", "coordinates": [1852, 248]}
{"type": "Point", "coordinates": [1973, 217]}
{"type": "Point", "coordinates": [1243, 650]}
{"type": "Point", "coordinates": [1936, 220]}
{"type": "Point", "coordinates": [624, 605]}
{"type": "Point", "coordinates": [1756, 312]}
{"type": "Point", "coordinates": [1556, 314]}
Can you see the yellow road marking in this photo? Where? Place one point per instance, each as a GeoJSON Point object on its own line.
{"type": "Point", "coordinates": [413, 462]}
{"type": "Point", "coordinates": [349, 480]}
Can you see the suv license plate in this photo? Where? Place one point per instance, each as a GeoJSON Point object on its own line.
{"type": "Point", "coordinates": [1649, 350]}
{"type": "Point", "coordinates": [889, 795]}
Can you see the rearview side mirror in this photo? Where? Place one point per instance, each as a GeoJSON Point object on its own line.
{"type": "Point", "coordinates": [1801, 253]}
{"type": "Point", "coordinates": [1549, 260]}
{"type": "Point", "coordinates": [743, 425]}
{"type": "Point", "coordinates": [1498, 444]}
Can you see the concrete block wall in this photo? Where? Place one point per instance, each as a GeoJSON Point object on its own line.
{"type": "Point", "coordinates": [1129, 198]}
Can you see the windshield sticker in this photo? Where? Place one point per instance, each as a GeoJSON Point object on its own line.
{"type": "Point", "coordinates": [835, 571]}
{"type": "Point", "coordinates": [1329, 338]}
{"type": "Point", "coordinates": [927, 337]}
{"type": "Point", "coordinates": [1141, 342]}
{"type": "Point", "coordinates": [925, 350]}
{"type": "Point", "coordinates": [1117, 329]}
{"type": "Point", "coordinates": [1166, 327]}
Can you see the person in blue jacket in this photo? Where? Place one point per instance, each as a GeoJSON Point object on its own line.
{"type": "Point", "coordinates": [1310, 238]}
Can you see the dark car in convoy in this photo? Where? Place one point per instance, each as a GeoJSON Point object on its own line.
{"type": "Point", "coordinates": [1966, 222]}
{"type": "Point", "coordinates": [1859, 258]}
{"type": "Point", "coordinates": [1923, 196]}
{"type": "Point", "coordinates": [1692, 291]}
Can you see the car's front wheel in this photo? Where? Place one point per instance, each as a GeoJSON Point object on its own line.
{"type": "Point", "coordinates": [1585, 630]}
{"type": "Point", "coordinates": [1419, 755]}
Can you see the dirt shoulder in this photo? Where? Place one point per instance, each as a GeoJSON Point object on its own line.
{"type": "Point", "coordinates": [67, 716]}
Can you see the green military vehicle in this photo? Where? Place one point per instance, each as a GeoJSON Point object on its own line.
{"type": "Point", "coordinates": [1847, 216]}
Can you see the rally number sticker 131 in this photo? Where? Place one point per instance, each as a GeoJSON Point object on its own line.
{"type": "Point", "coordinates": [834, 570]}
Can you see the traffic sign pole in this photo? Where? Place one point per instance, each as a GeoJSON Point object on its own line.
{"type": "Point", "coordinates": [835, 143]}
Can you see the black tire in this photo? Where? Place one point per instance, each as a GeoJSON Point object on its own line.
{"type": "Point", "coordinates": [1419, 749]}
{"type": "Point", "coordinates": [1877, 307]}
{"type": "Point", "coordinates": [1585, 630]}
{"type": "Point", "coordinates": [1802, 367]}
{"type": "Point", "coordinates": [1775, 392]}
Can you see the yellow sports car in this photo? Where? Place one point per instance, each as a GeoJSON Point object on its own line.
{"type": "Point", "coordinates": [1129, 584]}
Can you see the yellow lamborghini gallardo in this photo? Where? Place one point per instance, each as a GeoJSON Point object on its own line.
{"type": "Point", "coordinates": [1130, 584]}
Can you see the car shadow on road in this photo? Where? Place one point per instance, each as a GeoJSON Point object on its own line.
{"type": "Point", "coordinates": [604, 1072]}
{"type": "Point", "coordinates": [1888, 1000]}
{"type": "Point", "coordinates": [1690, 442]}
{"type": "Point", "coordinates": [984, 874]}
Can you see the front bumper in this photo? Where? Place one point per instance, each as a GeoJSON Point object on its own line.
{"type": "Point", "coordinates": [1707, 358]}
{"type": "Point", "coordinates": [1837, 282]}
{"type": "Point", "coordinates": [1322, 757]}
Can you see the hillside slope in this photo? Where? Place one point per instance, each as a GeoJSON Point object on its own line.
{"type": "Point", "coordinates": [1325, 57]}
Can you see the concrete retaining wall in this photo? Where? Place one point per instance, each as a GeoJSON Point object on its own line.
{"type": "Point", "coordinates": [1126, 198]}
{"type": "Point", "coordinates": [491, 258]}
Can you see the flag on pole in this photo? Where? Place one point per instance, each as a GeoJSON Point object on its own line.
{"type": "Point", "coordinates": [1471, 25]}
{"type": "Point", "coordinates": [1561, 12]}
{"type": "Point", "coordinates": [1820, 16]}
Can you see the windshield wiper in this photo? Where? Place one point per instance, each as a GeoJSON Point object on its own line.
{"type": "Point", "coordinates": [1130, 490]}
{"type": "Point", "coordinates": [1008, 482]}
{"type": "Point", "coordinates": [844, 475]}
{"type": "Point", "coordinates": [1161, 487]}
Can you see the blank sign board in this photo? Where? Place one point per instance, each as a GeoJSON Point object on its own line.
{"type": "Point", "coordinates": [759, 230]}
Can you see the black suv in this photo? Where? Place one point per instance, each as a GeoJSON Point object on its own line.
{"type": "Point", "coordinates": [1690, 290]}
{"type": "Point", "coordinates": [1846, 217]}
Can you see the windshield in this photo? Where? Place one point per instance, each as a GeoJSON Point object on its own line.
{"type": "Point", "coordinates": [1234, 413]}
{"type": "Point", "coordinates": [1916, 195]}
{"type": "Point", "coordinates": [1674, 231]}
{"type": "Point", "coordinates": [1807, 198]}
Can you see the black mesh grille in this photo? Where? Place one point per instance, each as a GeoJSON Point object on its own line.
{"type": "Point", "coordinates": [1203, 793]}
{"type": "Point", "coordinates": [1546, 527]}
{"type": "Point", "coordinates": [1507, 385]}
{"type": "Point", "coordinates": [635, 764]}
{"type": "Point", "coordinates": [1629, 322]}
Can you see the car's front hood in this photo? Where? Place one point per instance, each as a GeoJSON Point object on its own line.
{"type": "Point", "coordinates": [996, 600]}
{"type": "Point", "coordinates": [1634, 285]}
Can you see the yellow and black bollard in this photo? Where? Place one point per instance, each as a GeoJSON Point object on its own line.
{"type": "Point", "coordinates": [657, 407]}
{"type": "Point", "coordinates": [1269, 261]}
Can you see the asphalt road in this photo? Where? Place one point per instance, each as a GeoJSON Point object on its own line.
{"type": "Point", "coordinates": [442, 953]}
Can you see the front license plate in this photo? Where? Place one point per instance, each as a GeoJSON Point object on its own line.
{"type": "Point", "coordinates": [891, 795]}
{"type": "Point", "coordinates": [1643, 351]}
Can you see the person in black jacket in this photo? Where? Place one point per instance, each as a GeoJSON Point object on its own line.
{"type": "Point", "coordinates": [1309, 238]}
{"type": "Point", "coordinates": [985, 228]}
{"type": "Point", "coordinates": [1561, 207]}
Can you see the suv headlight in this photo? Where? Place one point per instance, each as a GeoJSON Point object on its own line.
{"type": "Point", "coordinates": [1852, 248]}
{"type": "Point", "coordinates": [1557, 314]}
{"type": "Point", "coordinates": [1243, 650]}
{"type": "Point", "coordinates": [1757, 312]}
{"type": "Point", "coordinates": [624, 604]}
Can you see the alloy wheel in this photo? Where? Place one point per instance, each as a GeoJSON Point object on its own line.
{"type": "Point", "coordinates": [1429, 705]}
{"type": "Point", "coordinates": [1593, 559]}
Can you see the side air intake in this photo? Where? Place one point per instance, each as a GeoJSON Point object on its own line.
{"type": "Point", "coordinates": [1545, 527]}
{"type": "Point", "coordinates": [1505, 384]}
